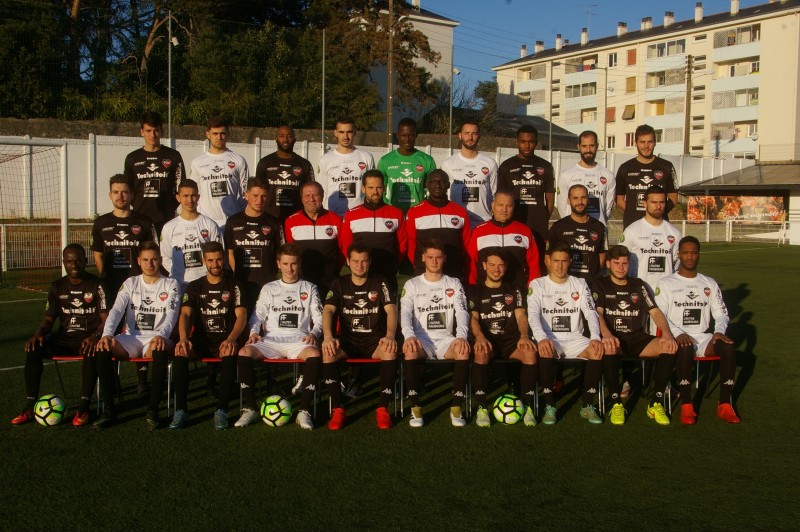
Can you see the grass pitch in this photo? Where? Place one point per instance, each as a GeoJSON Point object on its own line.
{"type": "Point", "coordinates": [572, 475]}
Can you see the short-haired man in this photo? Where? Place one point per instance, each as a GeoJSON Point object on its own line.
{"type": "Point", "coordinates": [690, 299]}
{"type": "Point", "coordinates": [585, 236]}
{"type": "Point", "coordinates": [365, 309]}
{"type": "Point", "coordinates": [154, 172]}
{"type": "Point", "coordinates": [252, 238]}
{"type": "Point", "coordinates": [598, 180]}
{"type": "Point", "coordinates": [182, 237]}
{"type": "Point", "coordinates": [341, 169]}
{"type": "Point", "coordinates": [531, 181]}
{"type": "Point", "coordinates": [635, 176]}
{"type": "Point", "coordinates": [212, 324]}
{"type": "Point", "coordinates": [439, 218]}
{"type": "Point", "coordinates": [78, 302]}
{"type": "Point", "coordinates": [405, 168]}
{"type": "Point", "coordinates": [515, 238]}
{"type": "Point", "coordinates": [287, 323]}
{"type": "Point", "coordinates": [284, 172]}
{"type": "Point", "coordinates": [220, 173]}
{"type": "Point", "coordinates": [557, 305]}
{"type": "Point", "coordinates": [148, 306]}
{"type": "Point", "coordinates": [624, 303]}
{"type": "Point", "coordinates": [377, 226]}
{"type": "Point", "coordinates": [432, 307]}
{"type": "Point", "coordinates": [473, 175]}
{"type": "Point", "coordinates": [500, 327]}
{"type": "Point", "coordinates": [316, 230]}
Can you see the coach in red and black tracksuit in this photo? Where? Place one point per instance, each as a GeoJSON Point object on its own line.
{"type": "Point", "coordinates": [512, 236]}
{"type": "Point", "coordinates": [439, 218]}
{"type": "Point", "coordinates": [377, 226]}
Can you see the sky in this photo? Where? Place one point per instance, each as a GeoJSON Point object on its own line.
{"type": "Point", "coordinates": [492, 31]}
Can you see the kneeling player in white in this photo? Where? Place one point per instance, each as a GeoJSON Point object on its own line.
{"type": "Point", "coordinates": [689, 300]}
{"type": "Point", "coordinates": [433, 307]}
{"type": "Point", "coordinates": [148, 304]}
{"type": "Point", "coordinates": [555, 304]}
{"type": "Point", "coordinates": [290, 314]}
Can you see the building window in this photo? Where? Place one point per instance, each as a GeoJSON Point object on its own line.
{"type": "Point", "coordinates": [630, 85]}
{"type": "Point", "coordinates": [630, 140]}
{"type": "Point", "coordinates": [612, 60]}
{"type": "Point", "coordinates": [585, 89]}
{"type": "Point", "coordinates": [630, 112]}
{"type": "Point", "coordinates": [742, 35]}
{"type": "Point", "coordinates": [655, 108]}
{"type": "Point", "coordinates": [665, 49]}
{"type": "Point", "coordinates": [611, 114]}
{"type": "Point", "coordinates": [611, 142]}
{"type": "Point", "coordinates": [656, 79]}
{"type": "Point", "coordinates": [588, 115]}
{"type": "Point", "coordinates": [659, 136]}
{"type": "Point", "coordinates": [755, 66]}
{"type": "Point", "coordinates": [746, 97]}
{"type": "Point", "coordinates": [524, 98]}
{"type": "Point", "coordinates": [632, 57]}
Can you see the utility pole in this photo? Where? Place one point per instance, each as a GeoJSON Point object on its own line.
{"type": "Point", "coordinates": [390, 68]}
{"type": "Point", "coordinates": [688, 106]}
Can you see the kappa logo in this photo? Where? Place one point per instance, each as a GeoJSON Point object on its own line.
{"type": "Point", "coordinates": [575, 296]}
{"type": "Point", "coordinates": [436, 298]}
{"type": "Point", "coordinates": [706, 291]}
{"type": "Point", "coordinates": [214, 303]}
{"type": "Point", "coordinates": [419, 168]}
{"type": "Point", "coordinates": [623, 305]}
{"type": "Point", "coordinates": [290, 300]}
{"type": "Point", "coordinates": [153, 167]}
{"type": "Point", "coordinates": [518, 239]}
{"type": "Point", "coordinates": [204, 233]}
{"type": "Point", "coordinates": [76, 302]}
{"type": "Point", "coordinates": [362, 166]}
{"type": "Point", "coordinates": [560, 302]}
{"type": "Point", "coordinates": [635, 298]}
{"type": "Point", "coordinates": [329, 231]}
{"type": "Point", "coordinates": [508, 298]}
{"type": "Point", "coordinates": [449, 292]}
{"type": "Point", "coordinates": [659, 174]}
{"type": "Point", "coordinates": [485, 170]}
{"type": "Point", "coordinates": [455, 221]}
{"type": "Point", "coordinates": [303, 296]}
{"type": "Point", "coordinates": [163, 296]}
{"type": "Point", "coordinates": [265, 230]}
{"type": "Point", "coordinates": [540, 170]}
{"type": "Point", "coordinates": [252, 235]}
{"type": "Point", "coordinates": [594, 236]}
{"type": "Point", "coordinates": [122, 235]}
{"type": "Point", "coordinates": [671, 239]}
{"type": "Point", "coordinates": [361, 303]}
{"type": "Point", "coordinates": [217, 168]}
{"type": "Point", "coordinates": [231, 165]}
{"type": "Point", "coordinates": [166, 163]}
{"type": "Point", "coordinates": [373, 296]}
{"type": "Point", "coordinates": [88, 297]}
{"type": "Point", "coordinates": [296, 170]}
{"type": "Point", "coordinates": [389, 224]}
{"type": "Point", "coordinates": [603, 180]}
{"type": "Point", "coordinates": [225, 296]}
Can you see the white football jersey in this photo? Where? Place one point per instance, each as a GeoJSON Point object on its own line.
{"type": "Point", "coordinates": [434, 310]}
{"type": "Point", "coordinates": [288, 312]}
{"type": "Point", "coordinates": [689, 303]}
{"type": "Point", "coordinates": [554, 310]}
{"type": "Point", "coordinates": [340, 177]}
{"type": "Point", "coordinates": [654, 250]}
{"type": "Point", "coordinates": [221, 180]}
{"type": "Point", "coordinates": [600, 182]}
{"type": "Point", "coordinates": [149, 310]}
{"type": "Point", "coordinates": [473, 184]}
{"type": "Point", "coordinates": [180, 246]}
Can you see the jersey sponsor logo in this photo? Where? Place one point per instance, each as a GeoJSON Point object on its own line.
{"type": "Point", "coordinates": [706, 291]}
{"type": "Point", "coordinates": [303, 296]}
{"type": "Point", "coordinates": [329, 231]}
{"type": "Point", "coordinates": [603, 180]}
{"type": "Point", "coordinates": [231, 165]}
{"type": "Point", "coordinates": [265, 230]}
{"type": "Point", "coordinates": [122, 235]}
{"type": "Point", "coordinates": [373, 296]}
{"type": "Point", "coordinates": [214, 303]}
{"type": "Point", "coordinates": [658, 174]}
{"type": "Point", "coordinates": [152, 167]}
{"type": "Point", "coordinates": [646, 180]}
{"type": "Point", "coordinates": [407, 173]}
{"type": "Point", "coordinates": [163, 296]}
{"type": "Point", "coordinates": [389, 224]}
{"type": "Point", "coordinates": [76, 302]}
{"type": "Point", "coordinates": [362, 166]}
{"type": "Point", "coordinates": [560, 302]}
{"type": "Point", "coordinates": [540, 170]}
{"type": "Point", "coordinates": [498, 306]}
{"type": "Point", "coordinates": [88, 296]}
{"type": "Point", "coordinates": [670, 239]}
{"type": "Point", "coordinates": [575, 296]}
{"type": "Point", "coordinates": [297, 171]}
{"type": "Point", "coordinates": [593, 235]}
{"type": "Point", "coordinates": [435, 298]}
{"type": "Point", "coordinates": [419, 168]}
{"type": "Point", "coordinates": [289, 300]}
{"type": "Point", "coordinates": [449, 292]}
{"type": "Point", "coordinates": [581, 239]}
{"type": "Point", "coordinates": [518, 239]}
{"type": "Point", "coordinates": [623, 304]}
{"type": "Point", "coordinates": [361, 303]}
{"type": "Point", "coordinates": [217, 168]}
{"type": "Point", "coordinates": [485, 170]}
{"type": "Point", "coordinates": [691, 295]}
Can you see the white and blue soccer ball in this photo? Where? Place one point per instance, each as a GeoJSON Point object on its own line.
{"type": "Point", "coordinates": [276, 411]}
{"type": "Point", "coordinates": [508, 409]}
{"type": "Point", "coordinates": [49, 410]}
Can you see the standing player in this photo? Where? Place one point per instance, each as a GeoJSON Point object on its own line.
{"type": "Point", "coordinates": [153, 173]}
{"type": "Point", "coordinates": [531, 180]}
{"type": "Point", "coordinates": [690, 299]}
{"type": "Point", "coordinates": [78, 301]}
{"type": "Point", "coordinates": [474, 176]}
{"type": "Point", "coordinates": [148, 306]}
{"type": "Point", "coordinates": [405, 168]}
{"type": "Point", "coordinates": [252, 238]}
{"type": "Point", "coordinates": [500, 327]}
{"type": "Point", "coordinates": [212, 324]}
{"type": "Point", "coordinates": [635, 176]}
{"type": "Point", "coordinates": [598, 180]}
{"type": "Point", "coordinates": [624, 303]}
{"type": "Point", "coordinates": [284, 172]}
{"type": "Point", "coordinates": [433, 307]}
{"type": "Point", "coordinates": [340, 170]}
{"type": "Point", "coordinates": [362, 305]}
{"type": "Point", "coordinates": [221, 175]}
{"type": "Point", "coordinates": [439, 218]}
{"type": "Point", "coordinates": [316, 231]}
{"type": "Point", "coordinates": [585, 236]}
{"type": "Point", "coordinates": [556, 303]}
{"type": "Point", "coordinates": [287, 323]}
{"type": "Point", "coordinates": [182, 237]}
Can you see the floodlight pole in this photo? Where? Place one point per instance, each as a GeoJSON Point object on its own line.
{"type": "Point", "coordinates": [169, 79]}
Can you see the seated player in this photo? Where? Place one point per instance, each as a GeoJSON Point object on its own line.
{"type": "Point", "coordinates": [212, 324]}
{"type": "Point", "coordinates": [555, 305]}
{"type": "Point", "coordinates": [148, 305]}
{"type": "Point", "coordinates": [432, 306]}
{"type": "Point", "coordinates": [624, 303]}
{"type": "Point", "coordinates": [289, 313]}
{"type": "Point", "coordinates": [78, 301]}
{"type": "Point", "coordinates": [362, 305]}
{"type": "Point", "coordinates": [689, 300]}
{"type": "Point", "coordinates": [500, 327]}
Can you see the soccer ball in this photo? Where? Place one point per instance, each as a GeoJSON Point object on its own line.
{"type": "Point", "coordinates": [50, 410]}
{"type": "Point", "coordinates": [276, 411]}
{"type": "Point", "coordinates": [508, 409]}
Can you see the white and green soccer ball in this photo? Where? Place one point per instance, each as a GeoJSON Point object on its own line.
{"type": "Point", "coordinates": [276, 411]}
{"type": "Point", "coordinates": [49, 410]}
{"type": "Point", "coordinates": [508, 409]}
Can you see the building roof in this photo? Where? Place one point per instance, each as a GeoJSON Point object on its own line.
{"type": "Point", "coordinates": [759, 178]}
{"type": "Point", "coordinates": [506, 125]}
{"type": "Point", "coordinates": [655, 31]}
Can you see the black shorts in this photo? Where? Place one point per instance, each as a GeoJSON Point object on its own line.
{"type": "Point", "coordinates": [503, 346]}
{"type": "Point", "coordinates": [360, 346]}
{"type": "Point", "coordinates": [631, 346]}
{"type": "Point", "coordinates": [60, 345]}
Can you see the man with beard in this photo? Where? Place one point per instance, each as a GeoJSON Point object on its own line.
{"type": "Point", "coordinates": [598, 180]}
{"type": "Point", "coordinates": [284, 172]}
{"type": "Point", "coordinates": [341, 169]}
{"type": "Point", "coordinates": [585, 236]}
{"type": "Point", "coordinates": [405, 168]}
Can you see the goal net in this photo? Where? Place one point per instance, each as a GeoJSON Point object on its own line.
{"type": "Point", "coordinates": [33, 211]}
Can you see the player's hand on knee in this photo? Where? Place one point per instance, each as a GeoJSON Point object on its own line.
{"type": "Point", "coordinates": [310, 339]}
{"type": "Point", "coordinates": [461, 348]}
{"type": "Point", "coordinates": [329, 347]}
{"type": "Point", "coordinates": [668, 344]}
{"type": "Point", "coordinates": [388, 344]}
{"type": "Point", "coordinates": [546, 348]}
{"type": "Point", "coordinates": [253, 339]}
{"type": "Point", "coordinates": [610, 344]}
{"type": "Point", "coordinates": [526, 345]}
{"type": "Point", "coordinates": [33, 342]}
{"type": "Point", "coordinates": [595, 349]}
{"type": "Point", "coordinates": [88, 346]}
{"type": "Point", "coordinates": [482, 346]}
{"type": "Point", "coordinates": [684, 340]}
{"type": "Point", "coordinates": [157, 344]}
{"type": "Point", "coordinates": [411, 346]}
{"type": "Point", "coordinates": [720, 336]}
{"type": "Point", "coordinates": [106, 343]}
{"type": "Point", "coordinates": [227, 348]}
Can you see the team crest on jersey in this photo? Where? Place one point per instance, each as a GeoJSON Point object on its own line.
{"type": "Point", "coordinates": [389, 224]}
{"type": "Point", "coordinates": [449, 292]}
{"type": "Point", "coordinates": [518, 239]}
{"type": "Point", "coordinates": [204, 233]}
{"type": "Point", "coordinates": [362, 166]}
{"type": "Point", "coordinates": [635, 298]}
{"type": "Point", "coordinates": [419, 168]}
{"type": "Point", "coordinates": [297, 171]}
{"type": "Point", "coordinates": [303, 296]}
{"type": "Point", "coordinates": [225, 296]}
{"type": "Point", "coordinates": [594, 235]}
{"type": "Point", "coordinates": [707, 291]}
{"type": "Point", "coordinates": [508, 298]}
{"type": "Point", "coordinates": [603, 180]}
{"type": "Point", "coordinates": [162, 296]}
{"type": "Point", "coordinates": [454, 221]}
{"type": "Point", "coordinates": [485, 170]}
{"type": "Point", "coordinates": [231, 165]}
{"type": "Point", "coordinates": [658, 174]}
{"type": "Point", "coordinates": [166, 163]}
{"type": "Point", "coordinates": [136, 229]}
{"type": "Point", "coordinates": [88, 296]}
{"type": "Point", "coordinates": [540, 170]}
{"type": "Point", "coordinates": [575, 296]}
{"type": "Point", "coordinates": [671, 239]}
{"type": "Point", "coordinates": [265, 229]}
{"type": "Point", "coordinates": [329, 231]}
{"type": "Point", "coordinates": [373, 296]}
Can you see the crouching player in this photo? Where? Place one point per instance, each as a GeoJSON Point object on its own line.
{"type": "Point", "coordinates": [689, 300]}
{"type": "Point", "coordinates": [500, 327]}
{"type": "Point", "coordinates": [78, 301]}
{"type": "Point", "coordinates": [290, 314]}
{"type": "Point", "coordinates": [212, 324]}
{"type": "Point", "coordinates": [623, 304]}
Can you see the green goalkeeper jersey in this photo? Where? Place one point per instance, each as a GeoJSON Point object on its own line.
{"type": "Point", "coordinates": [405, 177]}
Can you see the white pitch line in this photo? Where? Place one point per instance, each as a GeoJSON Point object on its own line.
{"type": "Point", "coordinates": [735, 250]}
{"type": "Point", "coordinates": [22, 300]}
{"type": "Point", "coordinates": [46, 363]}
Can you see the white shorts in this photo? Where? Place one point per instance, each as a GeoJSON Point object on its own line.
{"type": "Point", "coordinates": [136, 346]}
{"type": "Point", "coordinates": [571, 347]}
{"type": "Point", "coordinates": [703, 341]}
{"type": "Point", "coordinates": [436, 348]}
{"type": "Point", "coordinates": [271, 348]}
